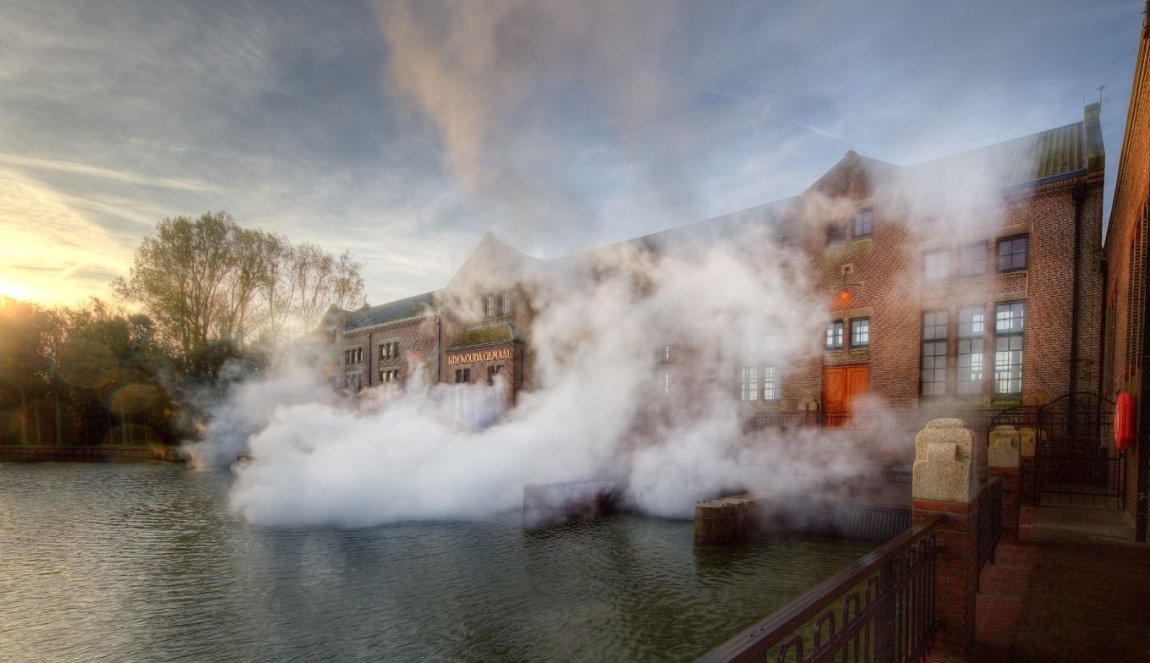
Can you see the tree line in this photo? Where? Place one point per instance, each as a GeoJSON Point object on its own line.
{"type": "Point", "coordinates": [206, 302]}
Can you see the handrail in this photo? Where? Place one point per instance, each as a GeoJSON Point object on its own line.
{"type": "Point", "coordinates": [754, 642]}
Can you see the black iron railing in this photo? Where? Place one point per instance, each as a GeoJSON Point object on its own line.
{"type": "Point", "coordinates": [989, 519]}
{"type": "Point", "coordinates": [881, 608]}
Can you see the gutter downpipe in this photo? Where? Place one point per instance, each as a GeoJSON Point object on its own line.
{"type": "Point", "coordinates": [1078, 193]}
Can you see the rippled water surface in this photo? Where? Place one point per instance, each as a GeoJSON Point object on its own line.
{"type": "Point", "coordinates": [145, 563]}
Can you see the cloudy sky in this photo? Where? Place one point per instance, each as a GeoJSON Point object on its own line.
{"type": "Point", "coordinates": [403, 130]}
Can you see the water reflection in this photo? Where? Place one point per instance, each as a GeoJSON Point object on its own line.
{"type": "Point", "coordinates": [143, 562]}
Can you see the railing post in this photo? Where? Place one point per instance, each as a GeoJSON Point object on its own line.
{"type": "Point", "coordinates": [946, 485]}
{"type": "Point", "coordinates": [884, 648]}
{"type": "Point", "coordinates": [1005, 460]}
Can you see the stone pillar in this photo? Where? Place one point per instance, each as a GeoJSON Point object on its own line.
{"type": "Point", "coordinates": [945, 485]}
{"type": "Point", "coordinates": [1005, 460]}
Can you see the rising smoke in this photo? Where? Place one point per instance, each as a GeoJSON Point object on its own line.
{"type": "Point", "coordinates": [600, 407]}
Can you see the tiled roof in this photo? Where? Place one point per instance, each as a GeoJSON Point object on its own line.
{"type": "Point", "coordinates": [500, 332]}
{"type": "Point", "coordinates": [1051, 154]}
{"type": "Point", "coordinates": [390, 312]}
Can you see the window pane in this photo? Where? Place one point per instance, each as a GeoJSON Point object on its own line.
{"type": "Point", "coordinates": [936, 265]}
{"type": "Point", "coordinates": [934, 325]}
{"type": "Point", "coordinates": [934, 368]}
{"type": "Point", "coordinates": [835, 335]}
{"type": "Point", "coordinates": [770, 384]}
{"type": "Point", "coordinates": [860, 333]}
{"type": "Point", "coordinates": [1012, 253]}
{"type": "Point", "coordinates": [1009, 318]}
{"type": "Point", "coordinates": [972, 260]}
{"type": "Point", "coordinates": [864, 223]}
{"type": "Point", "coordinates": [750, 384]}
{"type": "Point", "coordinates": [971, 322]}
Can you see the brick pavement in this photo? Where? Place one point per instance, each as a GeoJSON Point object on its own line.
{"type": "Point", "coordinates": [1064, 601]}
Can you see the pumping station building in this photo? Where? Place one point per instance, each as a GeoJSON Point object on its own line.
{"type": "Point", "coordinates": [932, 314]}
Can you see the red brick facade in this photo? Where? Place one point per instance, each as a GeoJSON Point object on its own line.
{"type": "Point", "coordinates": [1125, 298]}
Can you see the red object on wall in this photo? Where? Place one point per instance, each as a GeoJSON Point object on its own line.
{"type": "Point", "coordinates": [1124, 421]}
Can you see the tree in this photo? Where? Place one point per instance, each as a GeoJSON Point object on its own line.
{"type": "Point", "coordinates": [207, 280]}
{"type": "Point", "coordinates": [178, 276]}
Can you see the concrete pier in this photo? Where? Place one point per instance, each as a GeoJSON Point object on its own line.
{"type": "Point", "coordinates": [556, 504]}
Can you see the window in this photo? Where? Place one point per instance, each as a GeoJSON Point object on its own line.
{"type": "Point", "coordinates": [1012, 253]}
{"type": "Point", "coordinates": [492, 371]}
{"type": "Point", "coordinates": [352, 356]}
{"type": "Point", "coordinates": [489, 306]}
{"type": "Point", "coordinates": [389, 350]}
{"type": "Point", "coordinates": [505, 304]}
{"type": "Point", "coordinates": [835, 234]}
{"type": "Point", "coordinates": [860, 332]}
{"type": "Point", "coordinates": [1009, 324]}
{"type": "Point", "coordinates": [972, 260]}
{"type": "Point", "coordinates": [971, 328]}
{"type": "Point", "coordinates": [663, 355]}
{"type": "Point", "coordinates": [934, 339]}
{"type": "Point", "coordinates": [389, 375]}
{"type": "Point", "coordinates": [750, 384]}
{"type": "Point", "coordinates": [936, 265]}
{"type": "Point", "coordinates": [835, 335]}
{"type": "Point", "coordinates": [864, 223]}
{"type": "Point", "coordinates": [462, 375]}
{"type": "Point", "coordinates": [354, 382]}
{"type": "Point", "coordinates": [771, 391]}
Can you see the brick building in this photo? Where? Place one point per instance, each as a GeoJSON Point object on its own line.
{"type": "Point", "coordinates": [938, 304]}
{"type": "Point", "coordinates": [1126, 291]}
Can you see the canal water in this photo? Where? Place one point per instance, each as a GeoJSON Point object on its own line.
{"type": "Point", "coordinates": [146, 563]}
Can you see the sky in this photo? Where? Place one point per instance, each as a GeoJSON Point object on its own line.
{"type": "Point", "coordinates": [404, 130]}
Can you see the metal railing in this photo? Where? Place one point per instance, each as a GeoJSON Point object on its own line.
{"type": "Point", "coordinates": [881, 608]}
{"type": "Point", "coordinates": [989, 519]}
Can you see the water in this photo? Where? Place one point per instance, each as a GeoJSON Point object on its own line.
{"type": "Point", "coordinates": [145, 563]}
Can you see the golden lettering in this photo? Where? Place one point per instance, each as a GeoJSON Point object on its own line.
{"type": "Point", "coordinates": [501, 354]}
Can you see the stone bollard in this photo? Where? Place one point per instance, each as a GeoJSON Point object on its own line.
{"type": "Point", "coordinates": [1005, 460]}
{"type": "Point", "coordinates": [945, 485]}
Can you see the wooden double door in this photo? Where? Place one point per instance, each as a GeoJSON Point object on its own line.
{"type": "Point", "coordinates": [841, 385]}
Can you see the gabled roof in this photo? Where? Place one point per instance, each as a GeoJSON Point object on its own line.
{"type": "Point", "coordinates": [499, 332]}
{"type": "Point", "coordinates": [1047, 156]}
{"type": "Point", "coordinates": [402, 309]}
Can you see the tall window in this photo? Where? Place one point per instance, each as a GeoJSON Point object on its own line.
{"type": "Point", "coordinates": [1009, 325]}
{"type": "Point", "coordinates": [835, 234]}
{"type": "Point", "coordinates": [462, 375]}
{"type": "Point", "coordinates": [354, 382]}
{"type": "Point", "coordinates": [749, 390]}
{"type": "Point", "coordinates": [489, 306]}
{"type": "Point", "coordinates": [835, 335]}
{"type": "Point", "coordinates": [771, 390]}
{"type": "Point", "coordinates": [972, 260]}
{"type": "Point", "coordinates": [1012, 253]}
{"type": "Point", "coordinates": [353, 356]}
{"type": "Point", "coordinates": [493, 371]}
{"type": "Point", "coordinates": [505, 304]}
{"type": "Point", "coordinates": [389, 350]}
{"type": "Point", "coordinates": [864, 223]}
{"type": "Point", "coordinates": [936, 265]}
{"type": "Point", "coordinates": [860, 332]}
{"type": "Point", "coordinates": [934, 338]}
{"type": "Point", "coordinates": [971, 329]}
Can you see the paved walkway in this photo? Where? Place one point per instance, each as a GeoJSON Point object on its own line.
{"type": "Point", "coordinates": [1072, 588]}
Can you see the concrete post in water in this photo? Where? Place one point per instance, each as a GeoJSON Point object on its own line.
{"type": "Point", "coordinates": [725, 520]}
{"type": "Point", "coordinates": [1005, 460]}
{"type": "Point", "coordinates": [946, 485]}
